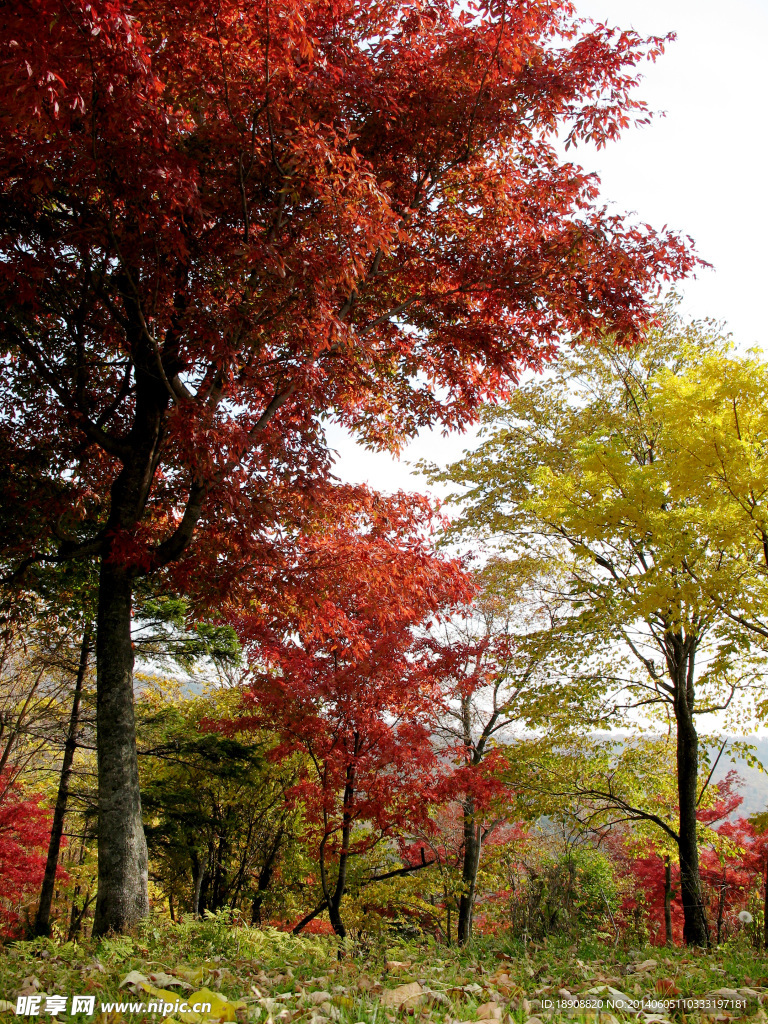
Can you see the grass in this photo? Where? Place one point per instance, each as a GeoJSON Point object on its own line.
{"type": "Point", "coordinates": [266, 975]}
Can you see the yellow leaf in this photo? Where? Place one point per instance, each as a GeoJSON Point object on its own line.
{"type": "Point", "coordinates": [192, 974]}
{"type": "Point", "coordinates": [221, 1008]}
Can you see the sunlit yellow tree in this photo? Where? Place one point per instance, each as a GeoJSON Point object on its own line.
{"type": "Point", "coordinates": [583, 470]}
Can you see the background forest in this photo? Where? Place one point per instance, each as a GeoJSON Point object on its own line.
{"type": "Point", "coordinates": [443, 744]}
{"type": "Point", "coordinates": [242, 699]}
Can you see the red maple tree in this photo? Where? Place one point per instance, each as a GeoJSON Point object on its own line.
{"type": "Point", "coordinates": [345, 675]}
{"type": "Point", "coordinates": [734, 858]}
{"type": "Point", "coordinates": [25, 826]}
{"type": "Point", "coordinates": [224, 221]}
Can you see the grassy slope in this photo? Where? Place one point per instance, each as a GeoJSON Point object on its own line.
{"type": "Point", "coordinates": [315, 979]}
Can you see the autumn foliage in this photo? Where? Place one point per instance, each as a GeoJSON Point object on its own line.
{"type": "Point", "coordinates": [223, 223]}
{"type": "Point", "coordinates": [345, 675]}
{"type": "Point", "coordinates": [25, 824]}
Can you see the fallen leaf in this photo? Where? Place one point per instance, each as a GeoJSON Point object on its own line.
{"type": "Point", "coordinates": [403, 996]}
{"type": "Point", "coordinates": [136, 980]}
{"type": "Point", "coordinates": [29, 986]}
{"type": "Point", "coordinates": [194, 975]}
{"type": "Point", "coordinates": [316, 998]}
{"type": "Point", "coordinates": [488, 1011]}
{"type": "Point", "coordinates": [167, 980]}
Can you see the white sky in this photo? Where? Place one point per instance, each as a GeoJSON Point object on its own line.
{"type": "Point", "coordinates": [701, 170]}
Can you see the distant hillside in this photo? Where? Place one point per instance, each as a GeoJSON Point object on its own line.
{"type": "Point", "coordinates": [755, 783]}
{"type": "Point", "coordinates": [754, 786]}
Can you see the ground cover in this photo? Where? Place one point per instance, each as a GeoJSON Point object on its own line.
{"type": "Point", "coordinates": [247, 974]}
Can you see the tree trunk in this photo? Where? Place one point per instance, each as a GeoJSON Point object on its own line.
{"type": "Point", "coordinates": [122, 899]}
{"type": "Point", "coordinates": [468, 874]}
{"type": "Point", "coordinates": [334, 907]}
{"type": "Point", "coordinates": [42, 924]}
{"type": "Point", "coordinates": [198, 870]}
{"type": "Point", "coordinates": [695, 931]}
{"type": "Point", "coordinates": [219, 880]}
{"type": "Point", "coordinates": [473, 892]}
{"type": "Point", "coordinates": [721, 906]}
{"type": "Point", "coordinates": [334, 904]}
{"type": "Point", "coordinates": [334, 901]}
{"type": "Point", "coordinates": [667, 901]}
{"type": "Point", "coordinates": [265, 879]}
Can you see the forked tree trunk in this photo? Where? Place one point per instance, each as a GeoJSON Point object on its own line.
{"type": "Point", "coordinates": [333, 899]}
{"type": "Point", "coordinates": [122, 899]}
{"type": "Point", "coordinates": [42, 924]}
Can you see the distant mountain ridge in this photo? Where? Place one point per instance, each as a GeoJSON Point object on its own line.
{"type": "Point", "coordinates": [754, 787]}
{"type": "Point", "coordinates": [754, 783]}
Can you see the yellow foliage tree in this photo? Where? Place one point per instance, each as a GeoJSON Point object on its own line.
{"type": "Point", "coordinates": [602, 472]}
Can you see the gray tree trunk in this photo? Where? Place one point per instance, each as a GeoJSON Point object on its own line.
{"type": "Point", "coordinates": [695, 931]}
{"type": "Point", "coordinates": [122, 899]}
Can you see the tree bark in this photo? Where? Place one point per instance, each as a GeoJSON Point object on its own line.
{"type": "Point", "coordinates": [122, 899]}
{"type": "Point", "coordinates": [334, 906]}
{"type": "Point", "coordinates": [42, 924]}
{"type": "Point", "coordinates": [265, 879]}
{"type": "Point", "coordinates": [219, 880]}
{"type": "Point", "coordinates": [333, 900]}
{"type": "Point", "coordinates": [667, 901]}
{"type": "Point", "coordinates": [198, 870]}
{"type": "Point", "coordinates": [468, 874]}
{"type": "Point", "coordinates": [695, 931]}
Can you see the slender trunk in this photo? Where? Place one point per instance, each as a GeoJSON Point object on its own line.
{"type": "Point", "coordinates": [205, 901]}
{"type": "Point", "coordinates": [42, 924]}
{"type": "Point", "coordinates": [473, 884]}
{"type": "Point", "coordinates": [447, 898]}
{"type": "Point", "coordinates": [334, 907]}
{"type": "Point", "coordinates": [667, 901]}
{"type": "Point", "coordinates": [198, 870]}
{"type": "Point", "coordinates": [265, 879]}
{"type": "Point", "coordinates": [302, 924]}
{"type": "Point", "coordinates": [219, 882]}
{"type": "Point", "coordinates": [238, 879]}
{"type": "Point", "coordinates": [695, 932]}
{"type": "Point", "coordinates": [721, 906]}
{"type": "Point", "coordinates": [334, 903]}
{"type": "Point", "coordinates": [78, 916]}
{"type": "Point", "coordinates": [122, 899]}
{"type": "Point", "coordinates": [468, 874]}
{"type": "Point", "coordinates": [333, 899]}
{"type": "Point", "coordinates": [73, 911]}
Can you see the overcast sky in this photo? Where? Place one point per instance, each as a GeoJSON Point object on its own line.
{"type": "Point", "coordinates": [701, 170]}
